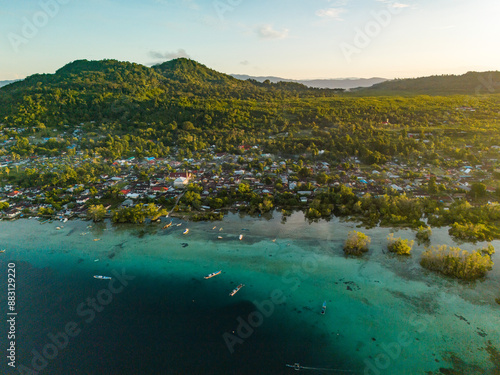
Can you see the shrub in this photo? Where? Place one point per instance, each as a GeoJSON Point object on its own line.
{"type": "Point", "coordinates": [96, 212]}
{"type": "Point", "coordinates": [356, 243]}
{"type": "Point", "coordinates": [489, 250]}
{"type": "Point", "coordinates": [471, 232]}
{"type": "Point", "coordinates": [399, 246]}
{"type": "Point", "coordinates": [453, 261]}
{"type": "Point", "coordinates": [424, 233]}
{"type": "Point", "coordinates": [208, 216]}
{"type": "Point", "coordinates": [313, 213]}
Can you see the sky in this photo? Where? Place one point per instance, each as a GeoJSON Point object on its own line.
{"type": "Point", "coordinates": [297, 39]}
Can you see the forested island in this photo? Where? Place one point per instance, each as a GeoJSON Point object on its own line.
{"type": "Point", "coordinates": [120, 140]}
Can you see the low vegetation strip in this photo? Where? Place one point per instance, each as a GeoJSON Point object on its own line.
{"type": "Point", "coordinates": [458, 263]}
{"type": "Point", "coordinates": [399, 246]}
{"type": "Point", "coordinates": [356, 243]}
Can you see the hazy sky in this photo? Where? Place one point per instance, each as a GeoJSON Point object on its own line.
{"type": "Point", "coordinates": [286, 38]}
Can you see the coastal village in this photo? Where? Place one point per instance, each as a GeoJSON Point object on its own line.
{"type": "Point", "coordinates": [154, 180]}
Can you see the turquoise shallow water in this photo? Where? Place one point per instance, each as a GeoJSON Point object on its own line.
{"type": "Point", "coordinates": [385, 314]}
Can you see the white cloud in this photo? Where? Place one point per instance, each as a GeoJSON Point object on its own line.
{"type": "Point", "coordinates": [267, 32]}
{"type": "Point", "coordinates": [399, 5]}
{"type": "Point", "coordinates": [394, 4]}
{"type": "Point", "coordinates": [333, 13]}
{"type": "Point", "coordinates": [246, 62]}
{"type": "Point", "coordinates": [169, 55]}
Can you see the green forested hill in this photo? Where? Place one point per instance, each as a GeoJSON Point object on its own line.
{"type": "Point", "coordinates": [184, 104]}
{"type": "Point", "coordinates": [111, 90]}
{"type": "Point", "coordinates": [92, 76]}
{"type": "Point", "coordinates": [471, 83]}
{"type": "Point", "coordinates": [81, 91]}
{"type": "Point", "coordinates": [189, 71]}
{"type": "Point", "coordinates": [177, 77]}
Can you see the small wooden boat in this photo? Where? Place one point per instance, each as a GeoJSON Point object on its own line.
{"type": "Point", "coordinates": [168, 225]}
{"type": "Point", "coordinates": [219, 237]}
{"type": "Point", "coordinates": [97, 239]}
{"type": "Point", "coordinates": [186, 231]}
{"type": "Point", "coordinates": [236, 290]}
{"type": "Point", "coordinates": [295, 366]}
{"type": "Point", "coordinates": [323, 308]}
{"type": "Point", "coordinates": [2, 251]}
{"type": "Point", "coordinates": [299, 367]}
{"type": "Point", "coordinates": [241, 237]}
{"type": "Point", "coordinates": [102, 277]}
{"type": "Point", "coordinates": [213, 274]}
{"type": "Point", "coordinates": [214, 227]}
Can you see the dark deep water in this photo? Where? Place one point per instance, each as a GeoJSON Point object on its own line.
{"type": "Point", "coordinates": [154, 326]}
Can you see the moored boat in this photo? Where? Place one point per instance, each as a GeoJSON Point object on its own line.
{"type": "Point", "coordinates": [241, 237]}
{"type": "Point", "coordinates": [213, 274]}
{"type": "Point", "coordinates": [100, 277]}
{"type": "Point", "coordinates": [236, 290]}
{"type": "Point", "coordinates": [185, 231]}
{"type": "Point", "coordinates": [299, 367]}
{"type": "Point", "coordinates": [168, 225]}
{"type": "Point", "coordinates": [323, 308]}
{"type": "Point", "coordinates": [295, 366]}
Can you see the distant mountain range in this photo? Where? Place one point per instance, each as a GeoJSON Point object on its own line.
{"type": "Point", "coordinates": [339, 83]}
{"type": "Point", "coordinates": [5, 83]}
{"type": "Point", "coordinates": [470, 83]}
{"type": "Point", "coordinates": [118, 90]}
